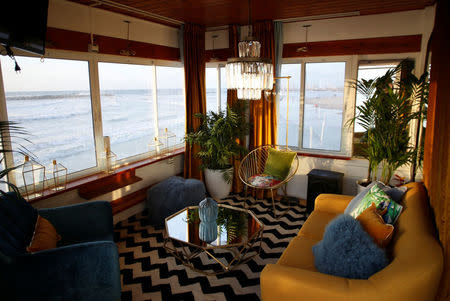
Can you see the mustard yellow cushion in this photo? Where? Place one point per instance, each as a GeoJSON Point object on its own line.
{"type": "Point", "coordinates": [374, 224]}
{"type": "Point", "coordinates": [44, 237]}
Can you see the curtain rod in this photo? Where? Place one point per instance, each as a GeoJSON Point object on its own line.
{"type": "Point", "coordinates": [319, 17]}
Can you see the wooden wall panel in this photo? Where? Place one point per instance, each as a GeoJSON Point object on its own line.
{"type": "Point", "coordinates": [436, 169]}
{"type": "Point", "coordinates": [380, 45]}
{"type": "Point", "coordinates": [78, 41]}
{"type": "Point", "coordinates": [220, 54]}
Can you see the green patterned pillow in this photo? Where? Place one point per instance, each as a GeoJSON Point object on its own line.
{"type": "Point", "coordinates": [374, 195]}
{"type": "Point", "coordinates": [392, 213]}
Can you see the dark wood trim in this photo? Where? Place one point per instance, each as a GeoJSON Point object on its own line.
{"type": "Point", "coordinates": [78, 41]}
{"type": "Point", "coordinates": [104, 185]}
{"type": "Point", "coordinates": [76, 184]}
{"type": "Point", "coordinates": [220, 54]}
{"type": "Point", "coordinates": [398, 44]}
{"type": "Point", "coordinates": [324, 156]}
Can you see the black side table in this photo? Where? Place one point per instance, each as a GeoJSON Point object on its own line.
{"type": "Point", "coordinates": [322, 181]}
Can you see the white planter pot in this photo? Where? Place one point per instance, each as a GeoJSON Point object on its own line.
{"type": "Point", "coordinates": [216, 185]}
{"type": "Point", "coordinates": [360, 187]}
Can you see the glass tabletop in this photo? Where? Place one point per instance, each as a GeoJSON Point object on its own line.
{"type": "Point", "coordinates": [235, 226]}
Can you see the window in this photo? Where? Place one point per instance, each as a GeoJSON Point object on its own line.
{"type": "Point", "coordinates": [171, 100]}
{"type": "Point", "coordinates": [51, 100]}
{"type": "Point", "coordinates": [127, 107]}
{"type": "Point", "coordinates": [216, 80]}
{"type": "Point", "coordinates": [370, 70]}
{"type": "Point", "coordinates": [316, 106]}
{"type": "Point", "coordinates": [324, 105]}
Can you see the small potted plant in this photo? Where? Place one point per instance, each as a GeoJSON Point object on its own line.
{"type": "Point", "coordinates": [385, 117]}
{"type": "Point", "coordinates": [217, 137]}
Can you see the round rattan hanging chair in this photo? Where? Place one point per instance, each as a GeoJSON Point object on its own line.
{"type": "Point", "coordinates": [251, 172]}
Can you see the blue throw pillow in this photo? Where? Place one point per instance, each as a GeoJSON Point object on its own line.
{"type": "Point", "coordinates": [346, 250]}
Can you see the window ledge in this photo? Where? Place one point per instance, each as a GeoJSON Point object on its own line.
{"type": "Point", "coordinates": [104, 182]}
{"type": "Point", "coordinates": [324, 156]}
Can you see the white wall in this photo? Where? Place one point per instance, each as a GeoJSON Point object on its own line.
{"type": "Point", "coordinates": [73, 16]}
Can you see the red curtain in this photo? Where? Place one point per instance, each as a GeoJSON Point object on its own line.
{"type": "Point", "coordinates": [263, 115]}
{"type": "Point", "coordinates": [194, 77]}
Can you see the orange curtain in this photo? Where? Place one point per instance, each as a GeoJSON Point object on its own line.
{"type": "Point", "coordinates": [232, 101]}
{"type": "Point", "coordinates": [436, 163]}
{"type": "Point", "coordinates": [194, 79]}
{"type": "Point", "coordinates": [263, 115]}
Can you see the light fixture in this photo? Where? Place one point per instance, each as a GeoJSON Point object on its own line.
{"type": "Point", "coordinates": [128, 51]}
{"type": "Point", "coordinates": [249, 74]}
{"type": "Point", "coordinates": [305, 48]}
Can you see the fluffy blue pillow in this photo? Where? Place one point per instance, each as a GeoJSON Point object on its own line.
{"type": "Point", "coordinates": [346, 250]}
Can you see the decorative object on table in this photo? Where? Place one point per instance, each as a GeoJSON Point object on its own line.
{"type": "Point", "coordinates": [245, 245]}
{"type": "Point", "coordinates": [57, 176]}
{"type": "Point", "coordinates": [280, 160]}
{"type": "Point", "coordinates": [33, 175]}
{"type": "Point", "coordinates": [346, 250]}
{"type": "Point", "coordinates": [169, 140]}
{"type": "Point", "coordinates": [171, 195]}
{"type": "Point", "coordinates": [249, 74]}
{"type": "Point", "coordinates": [322, 181]}
{"type": "Point", "coordinates": [155, 145]}
{"type": "Point", "coordinates": [207, 211]}
{"type": "Point", "coordinates": [385, 116]}
{"type": "Point", "coordinates": [85, 250]}
{"type": "Point", "coordinates": [110, 157]}
{"type": "Point", "coordinates": [217, 138]}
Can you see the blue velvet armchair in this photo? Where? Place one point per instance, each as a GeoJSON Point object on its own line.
{"type": "Point", "coordinates": [84, 266]}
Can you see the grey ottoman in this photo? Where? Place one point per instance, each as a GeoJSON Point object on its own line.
{"type": "Point", "coordinates": [171, 195]}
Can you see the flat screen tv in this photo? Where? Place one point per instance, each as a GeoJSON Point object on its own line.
{"type": "Point", "coordinates": [23, 24]}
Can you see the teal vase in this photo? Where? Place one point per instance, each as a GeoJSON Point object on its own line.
{"type": "Point", "coordinates": [207, 211]}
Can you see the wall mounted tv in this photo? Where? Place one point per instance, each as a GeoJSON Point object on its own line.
{"type": "Point", "coordinates": [23, 25]}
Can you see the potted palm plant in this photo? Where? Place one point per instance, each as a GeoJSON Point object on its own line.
{"type": "Point", "coordinates": [217, 138]}
{"type": "Point", "coordinates": [385, 117]}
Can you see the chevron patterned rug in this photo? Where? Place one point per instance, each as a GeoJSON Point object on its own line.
{"type": "Point", "coordinates": [148, 272]}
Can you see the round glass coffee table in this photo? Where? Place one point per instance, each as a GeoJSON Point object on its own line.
{"type": "Point", "coordinates": [239, 233]}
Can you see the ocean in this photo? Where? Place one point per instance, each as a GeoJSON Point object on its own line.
{"type": "Point", "coordinates": [60, 127]}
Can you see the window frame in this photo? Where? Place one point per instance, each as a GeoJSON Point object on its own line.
{"type": "Point", "coordinates": [348, 108]}
{"type": "Point", "coordinates": [94, 82]}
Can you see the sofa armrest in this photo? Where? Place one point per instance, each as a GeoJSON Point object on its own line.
{"type": "Point", "coordinates": [280, 282]}
{"type": "Point", "coordinates": [88, 270]}
{"type": "Point", "coordinates": [90, 221]}
{"type": "Point", "coordinates": [332, 203]}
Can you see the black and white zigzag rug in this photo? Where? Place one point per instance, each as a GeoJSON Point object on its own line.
{"type": "Point", "coordinates": [148, 272]}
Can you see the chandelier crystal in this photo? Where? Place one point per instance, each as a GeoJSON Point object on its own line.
{"type": "Point", "coordinates": [249, 74]}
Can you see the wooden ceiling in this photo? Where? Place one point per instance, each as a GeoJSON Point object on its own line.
{"type": "Point", "coordinates": [223, 12]}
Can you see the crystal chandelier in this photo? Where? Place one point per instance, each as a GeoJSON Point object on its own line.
{"type": "Point", "coordinates": [249, 74]}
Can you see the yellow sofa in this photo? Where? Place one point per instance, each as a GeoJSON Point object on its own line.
{"type": "Point", "coordinates": [413, 274]}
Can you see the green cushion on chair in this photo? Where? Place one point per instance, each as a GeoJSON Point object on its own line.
{"type": "Point", "coordinates": [278, 163]}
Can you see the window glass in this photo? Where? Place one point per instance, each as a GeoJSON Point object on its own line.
{"type": "Point", "coordinates": [127, 107]}
{"type": "Point", "coordinates": [369, 72]}
{"type": "Point", "coordinates": [211, 89]}
{"type": "Point", "coordinates": [51, 100]}
{"type": "Point", "coordinates": [292, 70]}
{"type": "Point", "coordinates": [324, 104]}
{"type": "Point", "coordinates": [223, 88]}
{"type": "Point", "coordinates": [171, 100]}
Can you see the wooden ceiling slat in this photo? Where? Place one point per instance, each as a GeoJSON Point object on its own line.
{"type": "Point", "coordinates": [224, 12]}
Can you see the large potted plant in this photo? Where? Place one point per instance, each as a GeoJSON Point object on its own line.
{"type": "Point", "coordinates": [217, 137]}
{"type": "Point", "coordinates": [385, 117]}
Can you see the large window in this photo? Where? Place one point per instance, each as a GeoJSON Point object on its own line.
{"type": "Point", "coordinates": [69, 103]}
{"type": "Point", "coordinates": [51, 100]}
{"type": "Point", "coordinates": [216, 88]}
{"type": "Point", "coordinates": [316, 106]}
